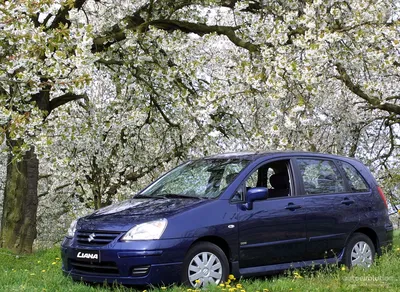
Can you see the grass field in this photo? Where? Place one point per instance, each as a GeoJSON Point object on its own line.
{"type": "Point", "coordinates": [41, 271]}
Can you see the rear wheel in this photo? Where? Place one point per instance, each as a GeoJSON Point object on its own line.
{"type": "Point", "coordinates": [360, 251]}
{"type": "Point", "coordinates": [205, 263]}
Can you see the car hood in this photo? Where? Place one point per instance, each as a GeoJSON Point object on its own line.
{"type": "Point", "coordinates": [122, 216]}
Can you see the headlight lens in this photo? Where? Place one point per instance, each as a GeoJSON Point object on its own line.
{"type": "Point", "coordinates": [146, 231]}
{"type": "Point", "coordinates": [72, 228]}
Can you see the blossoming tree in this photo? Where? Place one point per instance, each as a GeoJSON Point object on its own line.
{"type": "Point", "coordinates": [183, 75]}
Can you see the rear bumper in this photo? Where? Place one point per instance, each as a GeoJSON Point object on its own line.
{"type": "Point", "coordinates": [386, 243]}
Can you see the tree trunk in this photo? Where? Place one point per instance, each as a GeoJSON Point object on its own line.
{"type": "Point", "coordinates": [18, 224]}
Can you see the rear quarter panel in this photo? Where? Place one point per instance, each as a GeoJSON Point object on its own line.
{"type": "Point", "coordinates": [373, 211]}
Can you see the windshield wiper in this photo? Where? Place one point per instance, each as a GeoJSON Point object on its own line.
{"type": "Point", "coordinates": [146, 197]}
{"type": "Point", "coordinates": [179, 196]}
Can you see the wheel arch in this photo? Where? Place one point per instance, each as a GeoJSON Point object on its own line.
{"type": "Point", "coordinates": [371, 234]}
{"type": "Point", "coordinates": [218, 241]}
{"type": "Point", "coordinates": [218, 246]}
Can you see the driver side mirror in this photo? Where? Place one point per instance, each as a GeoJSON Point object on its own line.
{"type": "Point", "coordinates": [255, 194]}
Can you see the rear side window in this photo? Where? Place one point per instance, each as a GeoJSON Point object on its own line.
{"type": "Point", "coordinates": [320, 177]}
{"type": "Point", "coordinates": [356, 181]}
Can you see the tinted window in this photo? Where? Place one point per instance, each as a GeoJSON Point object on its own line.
{"type": "Point", "coordinates": [320, 176]}
{"type": "Point", "coordinates": [356, 181]}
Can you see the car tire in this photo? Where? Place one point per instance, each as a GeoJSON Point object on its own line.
{"type": "Point", "coordinates": [204, 263]}
{"type": "Point", "coordinates": [360, 251]}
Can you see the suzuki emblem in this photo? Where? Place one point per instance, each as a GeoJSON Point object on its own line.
{"type": "Point", "coordinates": [91, 237]}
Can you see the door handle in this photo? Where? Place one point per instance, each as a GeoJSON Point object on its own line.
{"type": "Point", "coordinates": [292, 207]}
{"type": "Point", "coordinates": [347, 201]}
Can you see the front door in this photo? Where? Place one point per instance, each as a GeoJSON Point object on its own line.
{"type": "Point", "coordinates": [274, 231]}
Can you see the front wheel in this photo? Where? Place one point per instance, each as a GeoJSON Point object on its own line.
{"type": "Point", "coordinates": [360, 251]}
{"type": "Point", "coordinates": [205, 263]}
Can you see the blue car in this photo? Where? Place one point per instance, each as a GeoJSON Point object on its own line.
{"type": "Point", "coordinates": [245, 214]}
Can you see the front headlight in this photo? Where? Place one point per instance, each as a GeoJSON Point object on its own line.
{"type": "Point", "coordinates": [146, 231]}
{"type": "Point", "coordinates": [72, 228]}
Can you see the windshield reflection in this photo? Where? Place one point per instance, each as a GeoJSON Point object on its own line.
{"type": "Point", "coordinates": [201, 179]}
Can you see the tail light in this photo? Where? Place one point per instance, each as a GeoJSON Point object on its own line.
{"type": "Point", "coordinates": [382, 196]}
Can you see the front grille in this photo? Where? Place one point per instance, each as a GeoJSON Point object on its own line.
{"type": "Point", "coordinates": [96, 238]}
{"type": "Point", "coordinates": [104, 268]}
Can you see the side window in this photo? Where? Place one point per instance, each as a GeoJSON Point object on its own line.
{"type": "Point", "coordinates": [320, 177]}
{"type": "Point", "coordinates": [356, 181]}
{"type": "Point", "coordinates": [274, 176]}
{"type": "Point", "coordinates": [251, 182]}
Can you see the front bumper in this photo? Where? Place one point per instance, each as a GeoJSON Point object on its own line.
{"type": "Point", "coordinates": [131, 263]}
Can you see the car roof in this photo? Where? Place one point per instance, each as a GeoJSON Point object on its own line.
{"type": "Point", "coordinates": [254, 155]}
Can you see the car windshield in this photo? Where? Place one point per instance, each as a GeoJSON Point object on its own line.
{"type": "Point", "coordinates": [203, 179]}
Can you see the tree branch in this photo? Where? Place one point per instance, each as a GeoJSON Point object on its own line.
{"type": "Point", "coordinates": [117, 34]}
{"type": "Point", "coordinates": [56, 189]}
{"type": "Point", "coordinates": [375, 102]}
{"type": "Point", "coordinates": [110, 62]}
{"type": "Point", "coordinates": [63, 99]}
{"type": "Point", "coordinates": [164, 116]}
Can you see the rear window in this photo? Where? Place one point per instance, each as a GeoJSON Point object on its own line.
{"type": "Point", "coordinates": [356, 181]}
{"type": "Point", "coordinates": [320, 177]}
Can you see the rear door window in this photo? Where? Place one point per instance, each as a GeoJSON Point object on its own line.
{"type": "Point", "coordinates": [320, 176]}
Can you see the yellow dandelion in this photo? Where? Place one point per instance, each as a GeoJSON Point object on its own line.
{"type": "Point", "coordinates": [43, 271]}
{"type": "Point", "coordinates": [57, 259]}
{"type": "Point", "coordinates": [228, 286]}
{"type": "Point", "coordinates": [343, 268]}
{"type": "Point", "coordinates": [242, 290]}
{"type": "Point", "coordinates": [222, 285]}
{"type": "Point", "coordinates": [197, 281]}
{"type": "Point", "coordinates": [163, 288]}
{"type": "Point", "coordinates": [239, 286]}
{"type": "Point", "coordinates": [231, 277]}
{"type": "Point", "coordinates": [297, 275]}
{"type": "Point", "coordinates": [265, 290]}
{"type": "Point", "coordinates": [54, 263]}
{"type": "Point", "coordinates": [228, 282]}
{"type": "Point", "coordinates": [144, 291]}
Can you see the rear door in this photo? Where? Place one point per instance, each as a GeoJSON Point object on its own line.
{"type": "Point", "coordinates": [274, 231]}
{"type": "Point", "coordinates": [332, 211]}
